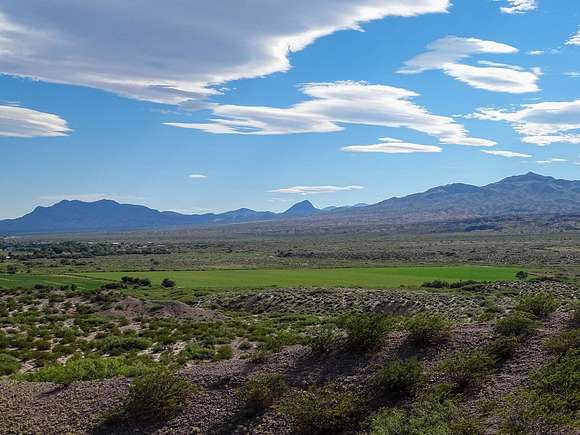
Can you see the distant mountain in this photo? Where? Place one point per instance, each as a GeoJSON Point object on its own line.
{"type": "Point", "coordinates": [304, 208]}
{"type": "Point", "coordinates": [524, 195]}
{"type": "Point", "coordinates": [106, 215]}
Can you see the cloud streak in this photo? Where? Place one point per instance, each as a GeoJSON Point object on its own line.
{"type": "Point", "coordinates": [315, 190]}
{"type": "Point", "coordinates": [574, 39]}
{"type": "Point", "coordinates": [445, 54]}
{"type": "Point", "coordinates": [392, 146]}
{"type": "Point", "coordinates": [541, 123]}
{"type": "Point", "coordinates": [177, 51]}
{"type": "Point", "coordinates": [21, 122]}
{"type": "Point", "coordinates": [507, 154]}
{"type": "Point", "coordinates": [519, 6]}
{"type": "Point", "coordinates": [334, 104]}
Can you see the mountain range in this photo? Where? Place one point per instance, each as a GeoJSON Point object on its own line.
{"type": "Point", "coordinates": [523, 195]}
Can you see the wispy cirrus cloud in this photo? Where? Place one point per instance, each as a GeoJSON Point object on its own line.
{"type": "Point", "coordinates": [392, 146]}
{"type": "Point", "coordinates": [550, 161]}
{"type": "Point", "coordinates": [315, 190]}
{"type": "Point", "coordinates": [542, 123]}
{"type": "Point", "coordinates": [334, 104]}
{"type": "Point", "coordinates": [445, 54]}
{"type": "Point", "coordinates": [18, 121]}
{"type": "Point", "coordinates": [574, 39]}
{"type": "Point", "coordinates": [176, 51]}
{"type": "Point", "coordinates": [519, 6]}
{"type": "Point", "coordinates": [197, 176]}
{"type": "Point", "coordinates": [507, 154]}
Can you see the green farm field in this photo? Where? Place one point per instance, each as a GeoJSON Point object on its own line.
{"type": "Point", "coordinates": [337, 277]}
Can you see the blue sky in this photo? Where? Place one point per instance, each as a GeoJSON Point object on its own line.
{"type": "Point", "coordinates": [340, 102]}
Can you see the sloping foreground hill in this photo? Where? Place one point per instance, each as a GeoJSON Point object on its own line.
{"type": "Point", "coordinates": [289, 362]}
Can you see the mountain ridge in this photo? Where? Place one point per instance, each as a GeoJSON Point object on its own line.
{"type": "Point", "coordinates": [526, 194]}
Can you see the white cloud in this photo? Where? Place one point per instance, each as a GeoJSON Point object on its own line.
{"type": "Point", "coordinates": [315, 190]}
{"type": "Point", "coordinates": [536, 52]}
{"type": "Point", "coordinates": [573, 74]}
{"type": "Point", "coordinates": [392, 146]}
{"type": "Point", "coordinates": [445, 54]}
{"type": "Point", "coordinates": [574, 39]}
{"type": "Point", "coordinates": [519, 6]}
{"type": "Point", "coordinates": [198, 176]}
{"type": "Point", "coordinates": [21, 122]}
{"type": "Point", "coordinates": [541, 123]}
{"type": "Point", "coordinates": [333, 104]}
{"type": "Point", "coordinates": [175, 51]}
{"type": "Point", "coordinates": [508, 154]}
{"type": "Point", "coordinates": [550, 161]}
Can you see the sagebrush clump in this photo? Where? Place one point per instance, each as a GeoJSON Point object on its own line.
{"type": "Point", "coordinates": [157, 396]}
{"type": "Point", "coordinates": [262, 391]}
{"type": "Point", "coordinates": [425, 328]}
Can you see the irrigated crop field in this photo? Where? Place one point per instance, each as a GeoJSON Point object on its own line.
{"type": "Point", "coordinates": [382, 277]}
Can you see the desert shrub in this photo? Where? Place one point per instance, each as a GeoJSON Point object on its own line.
{"type": "Point", "coordinates": [168, 283]}
{"type": "Point", "coordinates": [321, 410]}
{"type": "Point", "coordinates": [116, 345]}
{"type": "Point", "coordinates": [398, 377]}
{"type": "Point", "coordinates": [551, 401]}
{"type": "Point", "coordinates": [436, 284]}
{"type": "Point", "coordinates": [157, 396]}
{"type": "Point", "coordinates": [365, 333]}
{"type": "Point", "coordinates": [325, 340]}
{"type": "Point", "coordinates": [223, 352]}
{"type": "Point", "coordinates": [465, 369]}
{"type": "Point", "coordinates": [8, 364]}
{"type": "Point", "coordinates": [502, 347]}
{"type": "Point", "coordinates": [87, 369]}
{"type": "Point", "coordinates": [424, 328]}
{"type": "Point", "coordinates": [427, 416]}
{"type": "Point", "coordinates": [564, 342]}
{"type": "Point", "coordinates": [522, 275]}
{"type": "Point", "coordinates": [195, 351]}
{"type": "Point", "coordinates": [539, 304]}
{"type": "Point", "coordinates": [263, 390]}
{"type": "Point", "coordinates": [515, 325]}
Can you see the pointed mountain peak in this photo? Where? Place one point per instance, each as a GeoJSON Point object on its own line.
{"type": "Point", "coordinates": [302, 208]}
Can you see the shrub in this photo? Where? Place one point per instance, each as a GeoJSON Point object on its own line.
{"type": "Point", "coordinates": [551, 400]}
{"type": "Point", "coordinates": [167, 283]}
{"type": "Point", "coordinates": [398, 377]}
{"type": "Point", "coordinates": [195, 351]}
{"type": "Point", "coordinates": [515, 325]}
{"type": "Point", "coordinates": [88, 369]}
{"type": "Point", "coordinates": [365, 332]}
{"type": "Point", "coordinates": [564, 342]}
{"type": "Point", "coordinates": [321, 410]}
{"type": "Point", "coordinates": [431, 416]}
{"type": "Point", "coordinates": [157, 396]}
{"type": "Point", "coordinates": [262, 391]}
{"type": "Point", "coordinates": [424, 328]}
{"type": "Point", "coordinates": [502, 347]}
{"type": "Point", "coordinates": [522, 275]}
{"type": "Point", "coordinates": [436, 284]}
{"type": "Point", "coordinates": [465, 369]}
{"type": "Point", "coordinates": [223, 352]}
{"type": "Point", "coordinates": [325, 340]}
{"type": "Point", "coordinates": [116, 345]}
{"type": "Point", "coordinates": [539, 304]}
{"type": "Point", "coordinates": [8, 364]}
